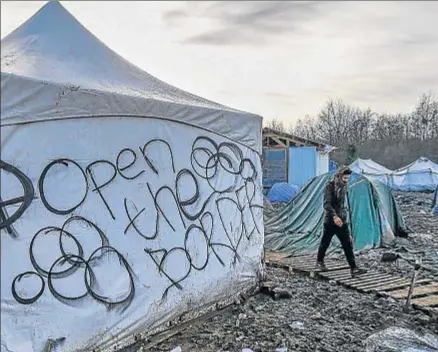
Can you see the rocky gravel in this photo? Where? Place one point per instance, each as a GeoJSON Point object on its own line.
{"type": "Point", "coordinates": [319, 315]}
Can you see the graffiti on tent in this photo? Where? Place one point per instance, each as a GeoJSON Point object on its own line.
{"type": "Point", "coordinates": [210, 164]}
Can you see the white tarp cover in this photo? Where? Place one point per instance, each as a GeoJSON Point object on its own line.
{"type": "Point", "coordinates": [421, 175]}
{"type": "Point", "coordinates": [371, 169]}
{"type": "Point", "coordinates": [113, 224]}
{"type": "Point", "coordinates": [54, 67]}
{"type": "Point", "coordinates": [368, 166]}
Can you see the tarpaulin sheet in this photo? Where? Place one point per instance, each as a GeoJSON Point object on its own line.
{"type": "Point", "coordinates": [282, 192]}
{"type": "Point", "coordinates": [297, 228]}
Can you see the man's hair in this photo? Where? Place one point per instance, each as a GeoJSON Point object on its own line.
{"type": "Point", "coordinates": [343, 171]}
{"type": "Point", "coordinates": [347, 171]}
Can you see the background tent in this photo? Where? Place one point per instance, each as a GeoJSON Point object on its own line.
{"type": "Point", "coordinates": [371, 169]}
{"type": "Point", "coordinates": [420, 176]}
{"type": "Point", "coordinates": [282, 192]}
{"type": "Point", "coordinates": [297, 228]}
{"type": "Point", "coordinates": [125, 202]}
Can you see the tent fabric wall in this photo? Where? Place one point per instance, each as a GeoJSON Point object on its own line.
{"type": "Point", "coordinates": [113, 224]}
{"type": "Point", "coordinates": [297, 228]}
{"type": "Point", "coordinates": [302, 165]}
{"type": "Point", "coordinates": [421, 175]}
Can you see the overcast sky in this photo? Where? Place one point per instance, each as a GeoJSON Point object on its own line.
{"type": "Point", "coordinates": [278, 59]}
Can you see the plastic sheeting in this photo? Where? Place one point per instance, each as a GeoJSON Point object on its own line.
{"type": "Point", "coordinates": [371, 169]}
{"type": "Point", "coordinates": [420, 176]}
{"type": "Point", "coordinates": [297, 228]}
{"type": "Point", "coordinates": [282, 193]}
{"type": "Point", "coordinates": [54, 68]}
{"type": "Point", "coordinates": [113, 224]}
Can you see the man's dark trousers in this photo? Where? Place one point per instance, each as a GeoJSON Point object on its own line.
{"type": "Point", "coordinates": [344, 237]}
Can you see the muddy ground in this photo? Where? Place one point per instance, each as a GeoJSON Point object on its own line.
{"type": "Point", "coordinates": [318, 316]}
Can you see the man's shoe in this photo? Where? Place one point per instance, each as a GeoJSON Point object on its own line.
{"type": "Point", "coordinates": [320, 266]}
{"type": "Point", "coordinates": [356, 272]}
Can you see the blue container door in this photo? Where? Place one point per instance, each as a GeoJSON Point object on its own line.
{"type": "Point", "coordinates": [302, 165]}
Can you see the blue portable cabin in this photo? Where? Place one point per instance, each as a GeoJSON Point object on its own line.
{"type": "Point", "coordinates": [291, 159]}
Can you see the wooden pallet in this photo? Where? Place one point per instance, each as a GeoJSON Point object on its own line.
{"type": "Point", "coordinates": [425, 296]}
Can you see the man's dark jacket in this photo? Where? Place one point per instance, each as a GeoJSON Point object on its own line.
{"type": "Point", "coordinates": [334, 202]}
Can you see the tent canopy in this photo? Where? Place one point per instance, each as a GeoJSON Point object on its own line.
{"type": "Point", "coordinates": [368, 166]}
{"type": "Point", "coordinates": [52, 65]}
{"type": "Point", "coordinates": [297, 228]}
{"type": "Point", "coordinates": [371, 170]}
{"type": "Point", "coordinates": [421, 175]}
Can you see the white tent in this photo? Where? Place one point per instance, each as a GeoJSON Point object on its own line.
{"type": "Point", "coordinates": [421, 175]}
{"type": "Point", "coordinates": [371, 169]}
{"type": "Point", "coordinates": [125, 202]}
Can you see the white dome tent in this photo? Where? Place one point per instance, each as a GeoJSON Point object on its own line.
{"type": "Point", "coordinates": [125, 202]}
{"type": "Point", "coordinates": [419, 176]}
{"type": "Point", "coordinates": [371, 169]}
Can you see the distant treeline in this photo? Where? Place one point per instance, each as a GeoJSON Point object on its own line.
{"type": "Point", "coordinates": [393, 140]}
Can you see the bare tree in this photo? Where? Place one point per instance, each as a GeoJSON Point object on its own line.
{"type": "Point", "coordinates": [425, 117]}
{"type": "Point", "coordinates": [305, 128]}
{"type": "Point", "coordinates": [276, 125]}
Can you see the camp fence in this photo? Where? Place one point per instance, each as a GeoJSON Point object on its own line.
{"type": "Point", "coordinates": [374, 218]}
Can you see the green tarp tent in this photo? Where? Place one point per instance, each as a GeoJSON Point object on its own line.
{"type": "Point", "coordinates": [374, 218]}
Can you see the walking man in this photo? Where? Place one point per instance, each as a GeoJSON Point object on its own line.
{"type": "Point", "coordinates": [335, 221]}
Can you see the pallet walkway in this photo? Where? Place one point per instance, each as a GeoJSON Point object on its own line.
{"type": "Point", "coordinates": [425, 295]}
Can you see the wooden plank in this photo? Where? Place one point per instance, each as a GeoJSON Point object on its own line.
{"type": "Point", "coordinates": [418, 291]}
{"type": "Point", "coordinates": [365, 282]}
{"type": "Point", "coordinates": [387, 289]}
{"type": "Point", "coordinates": [296, 261]}
{"type": "Point", "coordinates": [428, 301]}
{"type": "Point", "coordinates": [313, 268]}
{"type": "Point", "coordinates": [345, 275]}
{"type": "Point", "coordinates": [333, 274]}
{"type": "Point", "coordinates": [377, 283]}
{"type": "Point", "coordinates": [361, 277]}
{"type": "Point", "coordinates": [377, 287]}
